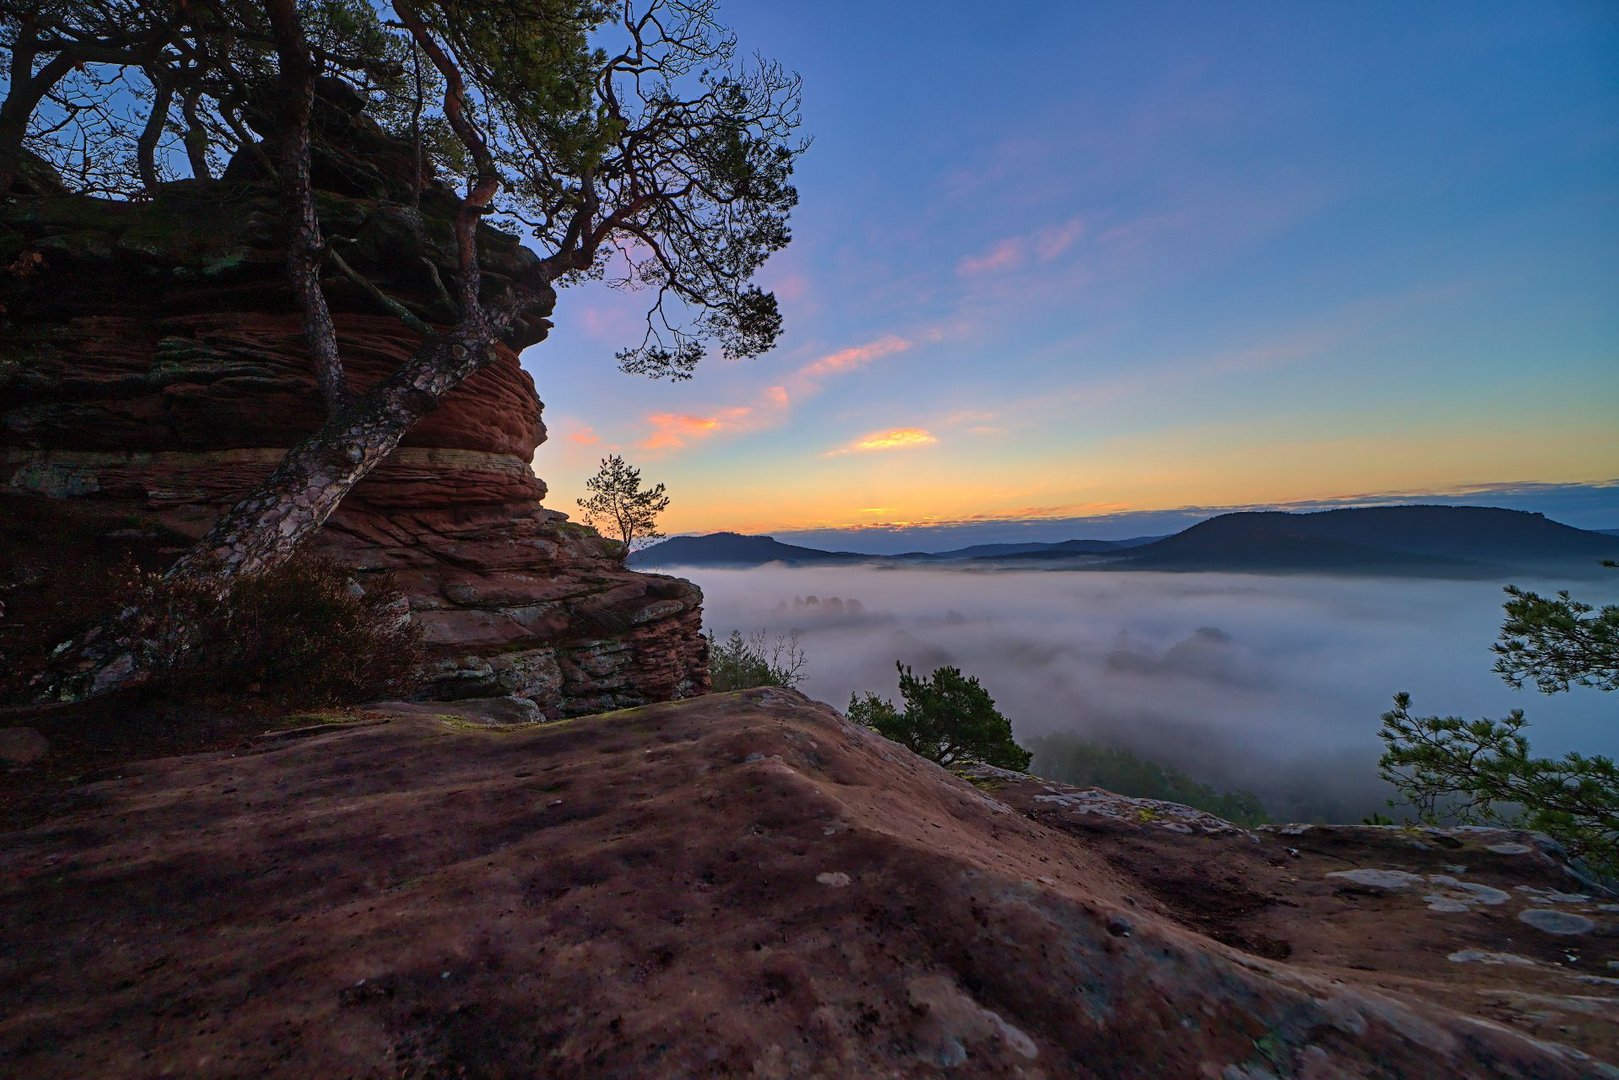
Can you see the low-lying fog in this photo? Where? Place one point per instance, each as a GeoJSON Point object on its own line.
{"type": "Point", "coordinates": [1275, 684]}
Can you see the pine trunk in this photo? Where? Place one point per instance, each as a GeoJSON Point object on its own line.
{"type": "Point", "coordinates": [13, 127]}
{"type": "Point", "coordinates": [272, 521]}
{"type": "Point", "coordinates": [268, 525]}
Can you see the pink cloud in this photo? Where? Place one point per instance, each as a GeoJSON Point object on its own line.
{"type": "Point", "coordinates": [1044, 244]}
{"type": "Point", "coordinates": [791, 287]}
{"type": "Point", "coordinates": [585, 436]}
{"type": "Point", "coordinates": [855, 356]}
{"type": "Point", "coordinates": [1008, 254]}
{"type": "Point", "coordinates": [1052, 242]}
{"type": "Point", "coordinates": [610, 324]}
{"type": "Point", "coordinates": [673, 431]}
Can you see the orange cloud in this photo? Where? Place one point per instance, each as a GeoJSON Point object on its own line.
{"type": "Point", "coordinates": [892, 439]}
{"type": "Point", "coordinates": [585, 436]}
{"type": "Point", "coordinates": [671, 431]}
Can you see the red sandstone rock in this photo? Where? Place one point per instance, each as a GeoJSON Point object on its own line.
{"type": "Point", "coordinates": [747, 885]}
{"type": "Point", "coordinates": [154, 366]}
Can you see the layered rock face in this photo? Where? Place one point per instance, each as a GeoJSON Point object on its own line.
{"type": "Point", "coordinates": [151, 361]}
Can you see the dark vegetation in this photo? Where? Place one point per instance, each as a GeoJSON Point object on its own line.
{"type": "Point", "coordinates": [300, 635]}
{"type": "Point", "coordinates": [63, 563]}
{"type": "Point", "coordinates": [948, 718]}
{"type": "Point", "coordinates": [1085, 763]}
{"type": "Point", "coordinates": [1481, 771]}
{"type": "Point", "coordinates": [742, 663]}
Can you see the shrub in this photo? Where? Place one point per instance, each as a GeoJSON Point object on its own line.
{"type": "Point", "coordinates": [949, 718]}
{"type": "Point", "coordinates": [302, 634]}
{"type": "Point", "coordinates": [741, 663]}
{"type": "Point", "coordinates": [1480, 771]}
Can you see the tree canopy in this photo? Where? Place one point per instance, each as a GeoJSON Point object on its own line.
{"type": "Point", "coordinates": [619, 507]}
{"type": "Point", "coordinates": [741, 663]}
{"type": "Point", "coordinates": [625, 139]}
{"type": "Point", "coordinates": [1482, 771]}
{"type": "Point", "coordinates": [948, 718]}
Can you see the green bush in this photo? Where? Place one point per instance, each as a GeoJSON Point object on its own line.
{"type": "Point", "coordinates": [1481, 772]}
{"type": "Point", "coordinates": [300, 634]}
{"type": "Point", "coordinates": [741, 663]}
{"type": "Point", "coordinates": [949, 718]}
{"type": "Point", "coordinates": [1085, 763]}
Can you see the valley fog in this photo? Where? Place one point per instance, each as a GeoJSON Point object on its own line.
{"type": "Point", "coordinates": [1275, 684]}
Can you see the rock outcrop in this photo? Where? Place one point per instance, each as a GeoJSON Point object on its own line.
{"type": "Point", "coordinates": [151, 363]}
{"type": "Point", "coordinates": [747, 885]}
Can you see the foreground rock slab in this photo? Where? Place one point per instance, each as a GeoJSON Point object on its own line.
{"type": "Point", "coordinates": [746, 885]}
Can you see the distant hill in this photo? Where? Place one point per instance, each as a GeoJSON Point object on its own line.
{"type": "Point", "coordinates": [1069, 548]}
{"type": "Point", "coordinates": [1422, 541]}
{"type": "Point", "coordinates": [729, 549]}
{"type": "Point", "coordinates": [1446, 541]}
{"type": "Point", "coordinates": [1013, 551]}
{"type": "Point", "coordinates": [739, 550]}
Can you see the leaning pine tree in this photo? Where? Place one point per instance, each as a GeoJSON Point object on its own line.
{"type": "Point", "coordinates": [623, 137]}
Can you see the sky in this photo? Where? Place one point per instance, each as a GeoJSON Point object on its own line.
{"type": "Point", "coordinates": [1076, 269]}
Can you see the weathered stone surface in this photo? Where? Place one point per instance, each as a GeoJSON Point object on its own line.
{"type": "Point", "coordinates": [1492, 923]}
{"type": "Point", "coordinates": [747, 885]}
{"type": "Point", "coordinates": [22, 745]}
{"type": "Point", "coordinates": [153, 366]}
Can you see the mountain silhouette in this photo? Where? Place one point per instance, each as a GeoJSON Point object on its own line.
{"type": "Point", "coordinates": [1426, 541]}
{"type": "Point", "coordinates": [1440, 540]}
{"type": "Point", "coordinates": [729, 549]}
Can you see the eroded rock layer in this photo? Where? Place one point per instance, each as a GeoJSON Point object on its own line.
{"type": "Point", "coordinates": [151, 362]}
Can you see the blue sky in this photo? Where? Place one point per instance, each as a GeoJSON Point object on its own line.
{"type": "Point", "coordinates": [1058, 262]}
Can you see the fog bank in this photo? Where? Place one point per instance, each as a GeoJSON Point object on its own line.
{"type": "Point", "coordinates": [1271, 683]}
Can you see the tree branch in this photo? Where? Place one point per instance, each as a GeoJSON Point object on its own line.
{"type": "Point", "coordinates": [305, 246]}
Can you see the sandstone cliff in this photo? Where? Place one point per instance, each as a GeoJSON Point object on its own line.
{"type": "Point", "coordinates": [151, 365]}
{"type": "Point", "coordinates": [747, 885]}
